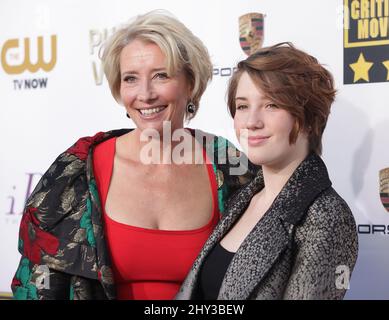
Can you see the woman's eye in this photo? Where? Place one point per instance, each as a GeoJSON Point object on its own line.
{"type": "Point", "coordinates": [161, 75]}
{"type": "Point", "coordinates": [241, 107]}
{"type": "Point", "coordinates": [271, 106]}
{"type": "Point", "coordinates": [129, 79]}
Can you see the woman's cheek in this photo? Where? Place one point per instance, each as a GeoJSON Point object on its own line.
{"type": "Point", "coordinates": [236, 128]}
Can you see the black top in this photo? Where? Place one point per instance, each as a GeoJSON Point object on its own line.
{"type": "Point", "coordinates": [213, 270]}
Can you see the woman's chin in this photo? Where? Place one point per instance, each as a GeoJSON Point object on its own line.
{"type": "Point", "coordinates": [258, 159]}
{"type": "Point", "coordinates": [151, 129]}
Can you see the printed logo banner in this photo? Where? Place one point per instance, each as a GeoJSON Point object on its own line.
{"type": "Point", "coordinates": [366, 41]}
{"type": "Point", "coordinates": [251, 27]}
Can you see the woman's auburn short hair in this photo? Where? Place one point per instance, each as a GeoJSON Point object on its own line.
{"type": "Point", "coordinates": [183, 50]}
{"type": "Point", "coordinates": [294, 81]}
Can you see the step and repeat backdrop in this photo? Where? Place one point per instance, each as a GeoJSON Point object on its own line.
{"type": "Point", "coordinates": [52, 91]}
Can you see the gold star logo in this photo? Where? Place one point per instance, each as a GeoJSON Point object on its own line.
{"type": "Point", "coordinates": [386, 64]}
{"type": "Point", "coordinates": [361, 68]}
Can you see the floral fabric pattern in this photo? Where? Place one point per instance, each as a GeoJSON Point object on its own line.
{"type": "Point", "coordinates": [62, 229]}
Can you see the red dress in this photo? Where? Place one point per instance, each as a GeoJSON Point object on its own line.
{"type": "Point", "coordinates": [148, 264]}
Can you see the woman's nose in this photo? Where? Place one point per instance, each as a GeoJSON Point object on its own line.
{"type": "Point", "coordinates": [146, 91]}
{"type": "Point", "coordinates": [255, 119]}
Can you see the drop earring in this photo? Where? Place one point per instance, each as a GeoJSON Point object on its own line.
{"type": "Point", "coordinates": [191, 108]}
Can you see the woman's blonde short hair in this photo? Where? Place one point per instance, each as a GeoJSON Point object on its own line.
{"type": "Point", "coordinates": [183, 51]}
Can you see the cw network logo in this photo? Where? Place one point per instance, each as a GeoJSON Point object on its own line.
{"type": "Point", "coordinates": [17, 57]}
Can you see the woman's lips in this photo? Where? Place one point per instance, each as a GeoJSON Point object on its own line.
{"type": "Point", "coordinates": [152, 113]}
{"type": "Point", "coordinates": [257, 140]}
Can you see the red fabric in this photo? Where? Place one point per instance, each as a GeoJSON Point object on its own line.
{"type": "Point", "coordinates": [81, 148]}
{"type": "Point", "coordinates": [148, 264]}
{"type": "Point", "coordinates": [35, 240]}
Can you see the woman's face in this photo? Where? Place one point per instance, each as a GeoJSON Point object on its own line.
{"type": "Point", "coordinates": [263, 129]}
{"type": "Point", "coordinates": [149, 95]}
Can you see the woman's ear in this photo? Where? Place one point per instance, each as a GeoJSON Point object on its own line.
{"type": "Point", "coordinates": [190, 92]}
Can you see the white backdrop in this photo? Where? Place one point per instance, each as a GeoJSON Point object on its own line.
{"type": "Point", "coordinates": [39, 123]}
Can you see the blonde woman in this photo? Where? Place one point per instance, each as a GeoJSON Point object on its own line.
{"type": "Point", "coordinates": [107, 221]}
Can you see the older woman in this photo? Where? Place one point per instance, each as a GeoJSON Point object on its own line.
{"type": "Point", "coordinates": [123, 214]}
{"type": "Point", "coordinates": [287, 234]}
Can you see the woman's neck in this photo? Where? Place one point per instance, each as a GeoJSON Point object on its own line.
{"type": "Point", "coordinates": [170, 147]}
{"type": "Point", "coordinates": [277, 175]}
